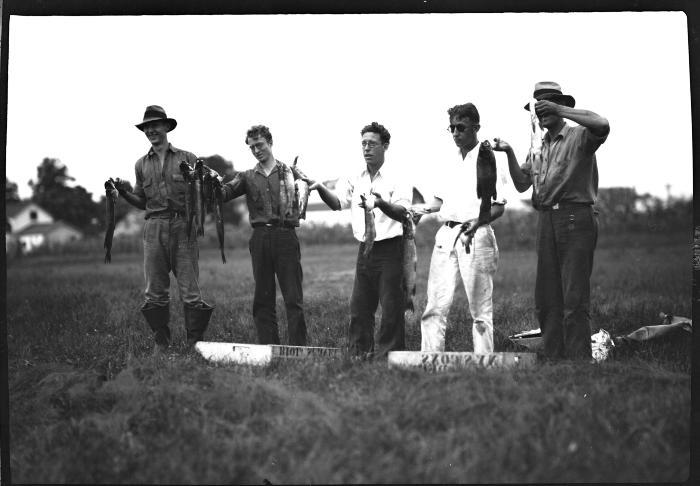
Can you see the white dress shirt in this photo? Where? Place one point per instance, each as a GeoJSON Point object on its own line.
{"type": "Point", "coordinates": [457, 189]}
{"type": "Point", "coordinates": [386, 183]}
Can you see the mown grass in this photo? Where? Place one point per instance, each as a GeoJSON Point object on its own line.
{"type": "Point", "coordinates": [89, 404]}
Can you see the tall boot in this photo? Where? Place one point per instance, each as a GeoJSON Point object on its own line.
{"type": "Point", "coordinates": [157, 317]}
{"type": "Point", "coordinates": [196, 321]}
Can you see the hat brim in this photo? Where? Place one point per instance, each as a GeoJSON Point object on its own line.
{"type": "Point", "coordinates": [171, 122]}
{"type": "Point", "coordinates": [560, 99]}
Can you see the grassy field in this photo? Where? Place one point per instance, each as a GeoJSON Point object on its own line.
{"type": "Point", "coordinates": [89, 404]}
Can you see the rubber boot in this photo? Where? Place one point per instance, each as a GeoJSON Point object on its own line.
{"type": "Point", "coordinates": [196, 321]}
{"type": "Point", "coordinates": [157, 317]}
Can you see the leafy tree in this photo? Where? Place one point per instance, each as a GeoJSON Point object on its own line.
{"type": "Point", "coordinates": [73, 205]}
{"type": "Point", "coordinates": [11, 191]}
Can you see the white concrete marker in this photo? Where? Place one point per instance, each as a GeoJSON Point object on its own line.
{"type": "Point", "coordinates": [260, 354]}
{"type": "Point", "coordinates": [448, 361]}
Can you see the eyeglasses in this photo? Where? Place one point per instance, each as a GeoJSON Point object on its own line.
{"type": "Point", "coordinates": [459, 126]}
{"type": "Point", "coordinates": [370, 144]}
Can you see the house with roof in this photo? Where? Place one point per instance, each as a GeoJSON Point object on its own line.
{"type": "Point", "coordinates": [29, 226]}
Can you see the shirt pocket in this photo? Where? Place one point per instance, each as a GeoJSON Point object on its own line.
{"type": "Point", "coordinates": [149, 188]}
{"type": "Point", "coordinates": [255, 197]}
{"type": "Point", "coordinates": [179, 184]}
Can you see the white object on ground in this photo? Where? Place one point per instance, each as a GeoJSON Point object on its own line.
{"type": "Point", "coordinates": [260, 354]}
{"type": "Point", "coordinates": [449, 361]}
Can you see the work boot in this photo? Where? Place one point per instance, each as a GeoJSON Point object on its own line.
{"type": "Point", "coordinates": [157, 317]}
{"type": "Point", "coordinates": [196, 321]}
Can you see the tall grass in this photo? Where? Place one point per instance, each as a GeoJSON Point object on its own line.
{"type": "Point", "coordinates": [88, 402]}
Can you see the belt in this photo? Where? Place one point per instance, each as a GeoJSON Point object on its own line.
{"type": "Point", "coordinates": [168, 213]}
{"type": "Point", "coordinates": [275, 224]}
{"type": "Point", "coordinates": [452, 224]}
{"type": "Point", "coordinates": [564, 205]}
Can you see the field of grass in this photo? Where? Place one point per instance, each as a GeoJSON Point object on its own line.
{"type": "Point", "coordinates": [89, 404]}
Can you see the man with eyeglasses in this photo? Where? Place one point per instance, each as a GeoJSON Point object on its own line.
{"type": "Point", "coordinates": [378, 273]}
{"type": "Point", "coordinates": [564, 180]}
{"type": "Point", "coordinates": [273, 208]}
{"type": "Point", "coordinates": [457, 203]}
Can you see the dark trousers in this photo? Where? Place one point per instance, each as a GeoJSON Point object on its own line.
{"type": "Point", "coordinates": [275, 251]}
{"type": "Point", "coordinates": [377, 280]}
{"type": "Point", "coordinates": [566, 240]}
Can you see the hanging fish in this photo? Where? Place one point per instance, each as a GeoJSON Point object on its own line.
{"type": "Point", "coordinates": [486, 177]}
{"type": "Point", "coordinates": [188, 175]}
{"type": "Point", "coordinates": [199, 205]}
{"type": "Point", "coordinates": [536, 134]}
{"type": "Point", "coordinates": [301, 187]}
{"type": "Point", "coordinates": [111, 201]}
{"type": "Point", "coordinates": [219, 214]}
{"type": "Point", "coordinates": [370, 231]}
{"type": "Point", "coordinates": [410, 255]}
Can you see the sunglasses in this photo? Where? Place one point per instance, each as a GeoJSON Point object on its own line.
{"type": "Point", "coordinates": [460, 127]}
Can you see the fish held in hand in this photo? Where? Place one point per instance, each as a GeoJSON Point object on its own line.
{"type": "Point", "coordinates": [370, 230]}
{"type": "Point", "coordinates": [188, 175]}
{"type": "Point", "coordinates": [486, 176]}
{"type": "Point", "coordinates": [219, 214]}
{"type": "Point", "coordinates": [301, 188]}
{"type": "Point", "coordinates": [111, 202]}
{"type": "Point", "coordinates": [199, 204]}
{"type": "Point", "coordinates": [409, 261]}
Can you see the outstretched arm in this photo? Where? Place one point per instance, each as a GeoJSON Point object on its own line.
{"type": "Point", "coordinates": [521, 180]}
{"type": "Point", "coordinates": [138, 201]}
{"type": "Point", "coordinates": [394, 211]}
{"type": "Point", "coordinates": [594, 122]}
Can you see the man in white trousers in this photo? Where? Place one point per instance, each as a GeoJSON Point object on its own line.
{"type": "Point", "coordinates": [457, 203]}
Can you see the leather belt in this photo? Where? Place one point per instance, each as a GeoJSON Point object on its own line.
{"type": "Point", "coordinates": [564, 205]}
{"type": "Point", "coordinates": [273, 225]}
{"type": "Point", "coordinates": [168, 213]}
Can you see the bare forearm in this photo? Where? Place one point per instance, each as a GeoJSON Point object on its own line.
{"type": "Point", "coordinates": [497, 211]}
{"type": "Point", "coordinates": [394, 211]}
{"type": "Point", "coordinates": [329, 197]}
{"type": "Point", "coordinates": [594, 122]}
{"type": "Point", "coordinates": [136, 201]}
{"type": "Point", "coordinates": [521, 180]}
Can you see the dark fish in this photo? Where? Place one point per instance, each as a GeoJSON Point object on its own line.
{"type": "Point", "coordinates": [485, 190]}
{"type": "Point", "coordinates": [111, 201]}
{"type": "Point", "coordinates": [301, 187]}
{"type": "Point", "coordinates": [219, 213]}
{"type": "Point", "coordinates": [199, 206]}
{"type": "Point", "coordinates": [370, 231]}
{"type": "Point", "coordinates": [187, 174]}
{"type": "Point", "coordinates": [410, 255]}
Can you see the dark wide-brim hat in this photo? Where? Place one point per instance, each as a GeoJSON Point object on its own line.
{"type": "Point", "coordinates": [156, 113]}
{"type": "Point", "coordinates": [551, 91]}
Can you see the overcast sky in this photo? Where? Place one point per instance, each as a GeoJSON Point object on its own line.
{"type": "Point", "coordinates": [78, 85]}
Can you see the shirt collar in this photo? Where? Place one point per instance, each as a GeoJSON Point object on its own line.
{"type": "Point", "coordinates": [459, 150]}
{"type": "Point", "coordinates": [170, 148]}
{"type": "Point", "coordinates": [259, 167]}
{"type": "Point", "coordinates": [562, 133]}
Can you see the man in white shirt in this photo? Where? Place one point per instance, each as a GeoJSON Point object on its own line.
{"type": "Point", "coordinates": [457, 202]}
{"type": "Point", "coordinates": [378, 274]}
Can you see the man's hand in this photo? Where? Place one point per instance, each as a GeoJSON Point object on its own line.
{"type": "Point", "coordinates": [378, 201]}
{"type": "Point", "coordinates": [122, 186]}
{"type": "Point", "coordinates": [213, 174]}
{"type": "Point", "coordinates": [500, 145]}
{"type": "Point", "coordinates": [300, 175]}
{"type": "Point", "coordinates": [544, 108]}
{"type": "Point", "coordinates": [469, 226]}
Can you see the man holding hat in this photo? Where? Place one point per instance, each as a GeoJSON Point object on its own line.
{"type": "Point", "coordinates": [565, 185]}
{"type": "Point", "coordinates": [160, 190]}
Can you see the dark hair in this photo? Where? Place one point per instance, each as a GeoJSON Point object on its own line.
{"type": "Point", "coordinates": [467, 110]}
{"type": "Point", "coordinates": [375, 127]}
{"type": "Point", "coordinates": [259, 131]}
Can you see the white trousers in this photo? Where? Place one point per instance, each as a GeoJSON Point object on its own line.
{"type": "Point", "coordinates": [477, 269]}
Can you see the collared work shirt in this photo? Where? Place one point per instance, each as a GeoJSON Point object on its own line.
{"type": "Point", "coordinates": [163, 187]}
{"type": "Point", "coordinates": [262, 194]}
{"type": "Point", "coordinates": [386, 183]}
{"type": "Point", "coordinates": [458, 190]}
{"type": "Point", "coordinates": [568, 171]}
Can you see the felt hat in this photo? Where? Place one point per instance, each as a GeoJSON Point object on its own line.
{"type": "Point", "coordinates": [551, 91]}
{"type": "Point", "coordinates": [155, 113]}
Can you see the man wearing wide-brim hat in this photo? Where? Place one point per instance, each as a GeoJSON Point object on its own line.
{"type": "Point", "coordinates": [564, 180]}
{"type": "Point", "coordinates": [160, 190]}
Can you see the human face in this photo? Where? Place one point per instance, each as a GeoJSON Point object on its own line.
{"type": "Point", "coordinates": [373, 149]}
{"type": "Point", "coordinates": [156, 132]}
{"type": "Point", "coordinates": [260, 148]}
{"type": "Point", "coordinates": [467, 137]}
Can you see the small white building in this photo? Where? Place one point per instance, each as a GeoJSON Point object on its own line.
{"type": "Point", "coordinates": [23, 214]}
{"type": "Point", "coordinates": [49, 234]}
